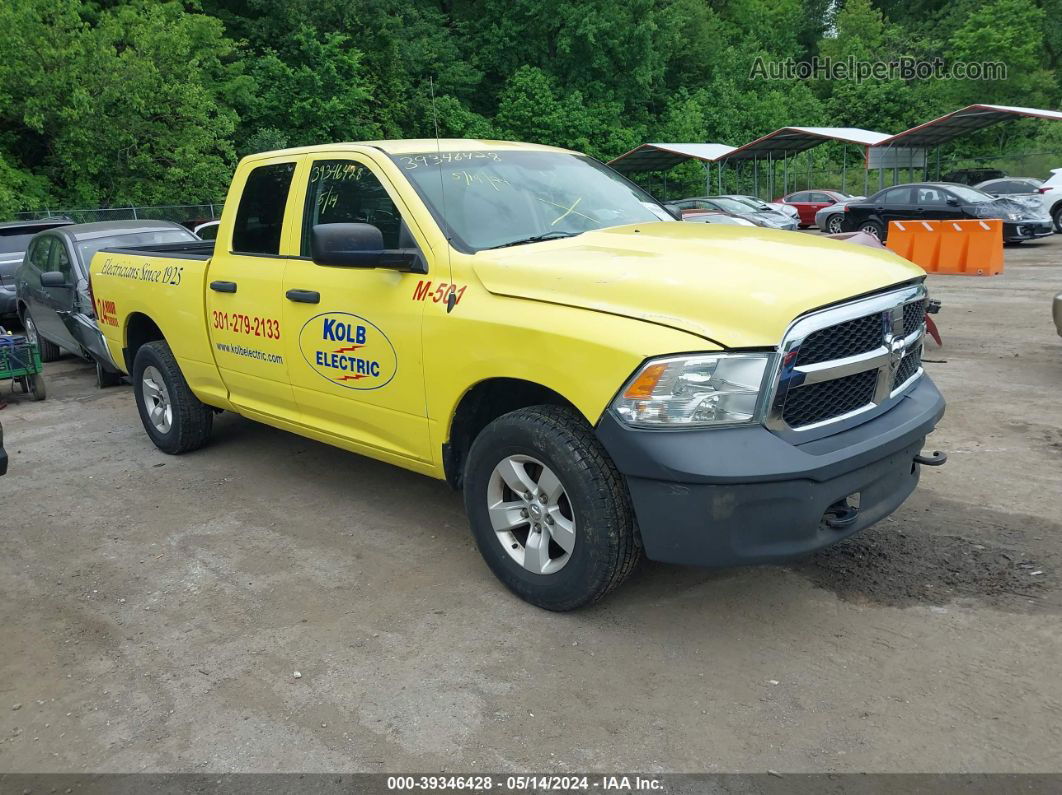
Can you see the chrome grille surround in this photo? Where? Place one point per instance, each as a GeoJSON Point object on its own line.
{"type": "Point", "coordinates": [888, 359]}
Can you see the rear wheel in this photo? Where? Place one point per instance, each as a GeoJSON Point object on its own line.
{"type": "Point", "coordinates": [175, 419]}
{"type": "Point", "coordinates": [49, 351]}
{"type": "Point", "coordinates": [549, 512]}
{"type": "Point", "coordinates": [873, 228]}
{"type": "Point", "coordinates": [1056, 215]}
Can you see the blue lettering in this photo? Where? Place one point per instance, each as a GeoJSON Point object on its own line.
{"type": "Point", "coordinates": [320, 359]}
{"type": "Point", "coordinates": [374, 369]}
{"type": "Point", "coordinates": [328, 332]}
{"type": "Point", "coordinates": [360, 338]}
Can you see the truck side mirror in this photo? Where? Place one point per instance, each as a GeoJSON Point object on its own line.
{"type": "Point", "coordinates": [53, 279]}
{"type": "Point", "coordinates": [359, 246]}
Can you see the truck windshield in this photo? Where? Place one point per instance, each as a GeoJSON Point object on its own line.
{"type": "Point", "coordinates": [485, 199]}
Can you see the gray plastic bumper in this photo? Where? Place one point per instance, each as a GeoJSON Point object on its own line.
{"type": "Point", "coordinates": [732, 496]}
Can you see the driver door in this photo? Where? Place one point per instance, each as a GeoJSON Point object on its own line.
{"type": "Point", "coordinates": [354, 348]}
{"type": "Point", "coordinates": [55, 304]}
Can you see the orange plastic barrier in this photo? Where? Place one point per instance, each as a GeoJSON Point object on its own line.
{"type": "Point", "coordinates": [970, 247]}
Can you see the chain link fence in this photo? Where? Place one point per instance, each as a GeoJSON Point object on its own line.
{"type": "Point", "coordinates": [178, 213]}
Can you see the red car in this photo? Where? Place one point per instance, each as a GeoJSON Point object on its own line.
{"type": "Point", "coordinates": [809, 202]}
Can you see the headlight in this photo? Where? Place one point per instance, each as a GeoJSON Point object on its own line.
{"type": "Point", "coordinates": [696, 390]}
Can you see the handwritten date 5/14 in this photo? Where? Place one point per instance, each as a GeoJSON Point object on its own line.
{"type": "Point", "coordinates": [247, 324]}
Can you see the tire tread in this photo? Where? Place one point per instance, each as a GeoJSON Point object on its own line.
{"type": "Point", "coordinates": [193, 419]}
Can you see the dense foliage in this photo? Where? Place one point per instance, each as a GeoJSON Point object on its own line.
{"type": "Point", "coordinates": [133, 101]}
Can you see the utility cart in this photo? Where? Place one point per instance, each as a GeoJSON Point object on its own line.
{"type": "Point", "coordinates": [20, 361]}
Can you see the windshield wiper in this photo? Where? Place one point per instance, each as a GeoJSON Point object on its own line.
{"type": "Point", "coordinates": [554, 235]}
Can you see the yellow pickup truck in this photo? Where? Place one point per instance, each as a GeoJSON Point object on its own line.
{"type": "Point", "coordinates": [598, 378]}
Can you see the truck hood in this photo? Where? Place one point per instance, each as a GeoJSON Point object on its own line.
{"type": "Point", "coordinates": [735, 286]}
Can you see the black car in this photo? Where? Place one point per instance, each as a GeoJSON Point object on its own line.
{"type": "Point", "coordinates": [939, 201]}
{"type": "Point", "coordinates": [3, 453]}
{"type": "Point", "coordinates": [971, 176]}
{"type": "Point", "coordinates": [14, 237]}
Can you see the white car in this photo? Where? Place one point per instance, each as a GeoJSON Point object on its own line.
{"type": "Point", "coordinates": [1025, 191]}
{"type": "Point", "coordinates": [1052, 195]}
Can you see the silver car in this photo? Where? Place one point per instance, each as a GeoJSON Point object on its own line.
{"type": "Point", "coordinates": [760, 217]}
{"type": "Point", "coordinates": [831, 219]}
{"type": "Point", "coordinates": [759, 204]}
{"type": "Point", "coordinates": [52, 289]}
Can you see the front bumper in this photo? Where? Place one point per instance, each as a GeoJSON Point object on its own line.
{"type": "Point", "coordinates": [1027, 230]}
{"type": "Point", "coordinates": [734, 496]}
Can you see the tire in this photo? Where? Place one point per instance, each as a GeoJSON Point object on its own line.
{"type": "Point", "coordinates": [176, 420]}
{"type": "Point", "coordinates": [873, 228]}
{"type": "Point", "coordinates": [1056, 216]}
{"type": "Point", "coordinates": [105, 377]}
{"type": "Point", "coordinates": [49, 351]}
{"type": "Point", "coordinates": [834, 224]}
{"type": "Point", "coordinates": [37, 389]}
{"type": "Point", "coordinates": [594, 505]}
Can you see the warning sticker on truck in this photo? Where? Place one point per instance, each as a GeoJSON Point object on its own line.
{"type": "Point", "coordinates": [348, 350]}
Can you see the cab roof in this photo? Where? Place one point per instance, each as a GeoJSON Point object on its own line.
{"type": "Point", "coordinates": [408, 146]}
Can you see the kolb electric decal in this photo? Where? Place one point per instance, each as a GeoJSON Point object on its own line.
{"type": "Point", "coordinates": [348, 350]}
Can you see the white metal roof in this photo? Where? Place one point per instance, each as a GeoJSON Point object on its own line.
{"type": "Point", "coordinates": [660, 157]}
{"type": "Point", "coordinates": [789, 140]}
{"type": "Point", "coordinates": [965, 120]}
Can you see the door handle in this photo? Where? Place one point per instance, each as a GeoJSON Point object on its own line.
{"type": "Point", "coordinates": [304, 296]}
{"type": "Point", "coordinates": [223, 287]}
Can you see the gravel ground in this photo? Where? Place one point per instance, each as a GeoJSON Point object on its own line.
{"type": "Point", "coordinates": [154, 610]}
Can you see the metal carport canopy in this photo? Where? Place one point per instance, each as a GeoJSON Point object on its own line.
{"type": "Point", "coordinates": [789, 140]}
{"type": "Point", "coordinates": [960, 122]}
{"type": "Point", "coordinates": [661, 157]}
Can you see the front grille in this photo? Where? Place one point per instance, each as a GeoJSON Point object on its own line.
{"type": "Point", "coordinates": [914, 315]}
{"type": "Point", "coordinates": [908, 367]}
{"type": "Point", "coordinates": [845, 339]}
{"type": "Point", "coordinates": [813, 403]}
{"type": "Point", "coordinates": [842, 360]}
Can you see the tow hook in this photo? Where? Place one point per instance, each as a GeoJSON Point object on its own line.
{"type": "Point", "coordinates": [935, 460]}
{"type": "Point", "coordinates": [840, 515]}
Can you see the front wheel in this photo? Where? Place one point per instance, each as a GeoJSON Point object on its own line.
{"type": "Point", "coordinates": [37, 389]}
{"type": "Point", "coordinates": [49, 351]}
{"type": "Point", "coordinates": [549, 512]}
{"type": "Point", "coordinates": [1056, 215]}
{"type": "Point", "coordinates": [835, 224]}
{"type": "Point", "coordinates": [175, 419]}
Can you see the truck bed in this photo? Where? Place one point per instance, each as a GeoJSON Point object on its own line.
{"type": "Point", "coordinates": [195, 249]}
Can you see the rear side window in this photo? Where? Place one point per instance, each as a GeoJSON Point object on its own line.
{"type": "Point", "coordinates": [798, 197]}
{"type": "Point", "coordinates": [260, 216]}
{"type": "Point", "coordinates": [895, 196]}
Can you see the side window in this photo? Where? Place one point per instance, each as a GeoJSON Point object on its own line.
{"type": "Point", "coordinates": [42, 247]}
{"type": "Point", "coordinates": [821, 198]}
{"type": "Point", "coordinates": [896, 196]}
{"type": "Point", "coordinates": [346, 192]}
{"type": "Point", "coordinates": [798, 197]}
{"type": "Point", "coordinates": [60, 261]}
{"type": "Point", "coordinates": [260, 216]}
{"type": "Point", "coordinates": [929, 196]}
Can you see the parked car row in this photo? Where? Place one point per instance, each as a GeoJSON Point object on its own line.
{"type": "Point", "coordinates": [936, 201]}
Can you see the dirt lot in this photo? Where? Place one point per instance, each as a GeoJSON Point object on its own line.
{"type": "Point", "coordinates": [153, 609]}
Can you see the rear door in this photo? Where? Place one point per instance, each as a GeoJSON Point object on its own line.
{"type": "Point", "coordinates": [895, 205]}
{"type": "Point", "coordinates": [802, 202]}
{"type": "Point", "coordinates": [353, 335]}
{"type": "Point", "coordinates": [245, 290]}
